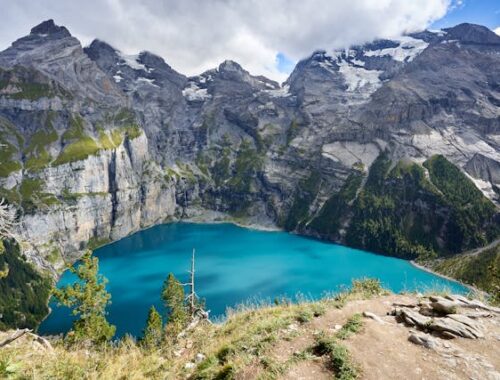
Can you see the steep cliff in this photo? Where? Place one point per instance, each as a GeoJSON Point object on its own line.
{"type": "Point", "coordinates": [97, 144]}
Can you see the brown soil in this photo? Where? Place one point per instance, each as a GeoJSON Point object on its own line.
{"type": "Point", "coordinates": [383, 351]}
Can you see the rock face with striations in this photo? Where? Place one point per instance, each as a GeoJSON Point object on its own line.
{"type": "Point", "coordinates": [98, 144]}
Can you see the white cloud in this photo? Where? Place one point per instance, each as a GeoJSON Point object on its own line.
{"type": "Point", "coordinates": [194, 35]}
{"type": "Point", "coordinates": [497, 30]}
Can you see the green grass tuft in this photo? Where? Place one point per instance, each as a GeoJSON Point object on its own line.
{"type": "Point", "coordinates": [351, 327]}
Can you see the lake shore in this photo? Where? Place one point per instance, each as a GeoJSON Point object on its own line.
{"type": "Point", "coordinates": [429, 270]}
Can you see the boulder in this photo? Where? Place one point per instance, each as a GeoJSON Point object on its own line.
{"type": "Point", "coordinates": [475, 304]}
{"type": "Point", "coordinates": [444, 306]}
{"type": "Point", "coordinates": [414, 318]}
{"type": "Point", "coordinates": [457, 325]}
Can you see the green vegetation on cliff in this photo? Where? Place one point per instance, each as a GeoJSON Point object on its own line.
{"type": "Point", "coordinates": [36, 153]}
{"type": "Point", "coordinates": [305, 194]}
{"type": "Point", "coordinates": [401, 212]}
{"type": "Point", "coordinates": [10, 140]}
{"type": "Point", "coordinates": [336, 208]}
{"type": "Point", "coordinates": [7, 163]}
{"type": "Point", "coordinates": [385, 218]}
{"type": "Point", "coordinates": [79, 144]}
{"type": "Point", "coordinates": [24, 291]}
{"type": "Point", "coordinates": [248, 162]}
{"type": "Point", "coordinates": [24, 83]}
{"type": "Point", "coordinates": [471, 221]}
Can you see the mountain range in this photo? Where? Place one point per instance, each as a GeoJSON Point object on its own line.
{"type": "Point", "coordinates": [392, 146]}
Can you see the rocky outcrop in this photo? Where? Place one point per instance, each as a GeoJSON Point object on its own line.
{"type": "Point", "coordinates": [446, 317]}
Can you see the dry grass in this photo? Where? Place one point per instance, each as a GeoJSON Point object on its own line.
{"type": "Point", "coordinates": [242, 343]}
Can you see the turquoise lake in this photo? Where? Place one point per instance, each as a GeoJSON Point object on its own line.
{"type": "Point", "coordinates": [233, 265]}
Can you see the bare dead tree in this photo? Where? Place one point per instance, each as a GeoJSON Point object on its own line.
{"type": "Point", "coordinates": [7, 220]}
{"type": "Point", "coordinates": [195, 309]}
{"type": "Point", "coordinates": [191, 297]}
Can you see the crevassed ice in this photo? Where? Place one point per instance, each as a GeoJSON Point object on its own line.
{"type": "Point", "coordinates": [358, 78]}
{"type": "Point", "coordinates": [407, 50]}
{"type": "Point", "coordinates": [132, 61]}
{"type": "Point", "coordinates": [193, 92]}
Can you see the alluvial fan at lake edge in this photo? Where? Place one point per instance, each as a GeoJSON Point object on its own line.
{"type": "Point", "coordinates": [233, 265]}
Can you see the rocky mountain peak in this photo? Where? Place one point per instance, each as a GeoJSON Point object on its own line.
{"type": "Point", "coordinates": [232, 70]}
{"type": "Point", "coordinates": [98, 48]}
{"type": "Point", "coordinates": [229, 65]}
{"type": "Point", "coordinates": [50, 28]}
{"type": "Point", "coordinates": [130, 70]}
{"type": "Point", "coordinates": [472, 33]}
{"type": "Point", "coordinates": [52, 50]}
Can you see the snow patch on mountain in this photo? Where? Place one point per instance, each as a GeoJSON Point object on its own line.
{"type": "Point", "coordinates": [194, 93]}
{"type": "Point", "coordinates": [132, 61]}
{"type": "Point", "coordinates": [358, 78]}
{"type": "Point", "coordinates": [407, 50]}
{"type": "Point", "coordinates": [282, 92]}
{"type": "Point", "coordinates": [147, 81]}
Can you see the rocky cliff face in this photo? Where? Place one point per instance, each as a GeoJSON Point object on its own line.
{"type": "Point", "coordinates": [97, 144]}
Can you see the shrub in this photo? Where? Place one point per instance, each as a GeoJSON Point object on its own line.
{"type": "Point", "coordinates": [367, 287]}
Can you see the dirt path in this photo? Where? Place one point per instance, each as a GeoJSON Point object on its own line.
{"type": "Point", "coordinates": [476, 251]}
{"type": "Point", "coordinates": [381, 350]}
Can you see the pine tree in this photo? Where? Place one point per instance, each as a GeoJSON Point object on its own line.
{"type": "Point", "coordinates": [88, 299]}
{"type": "Point", "coordinates": [175, 303]}
{"type": "Point", "coordinates": [153, 333]}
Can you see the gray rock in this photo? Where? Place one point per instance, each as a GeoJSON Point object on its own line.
{"type": "Point", "coordinates": [444, 306]}
{"type": "Point", "coordinates": [424, 340]}
{"type": "Point", "coordinates": [368, 314]}
{"type": "Point", "coordinates": [457, 327]}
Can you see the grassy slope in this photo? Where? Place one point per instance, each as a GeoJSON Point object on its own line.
{"type": "Point", "coordinates": [244, 342]}
{"type": "Point", "coordinates": [481, 270]}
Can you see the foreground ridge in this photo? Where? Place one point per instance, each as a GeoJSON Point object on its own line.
{"type": "Point", "coordinates": [364, 333]}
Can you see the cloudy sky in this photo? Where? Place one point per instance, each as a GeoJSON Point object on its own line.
{"type": "Point", "coordinates": [265, 36]}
